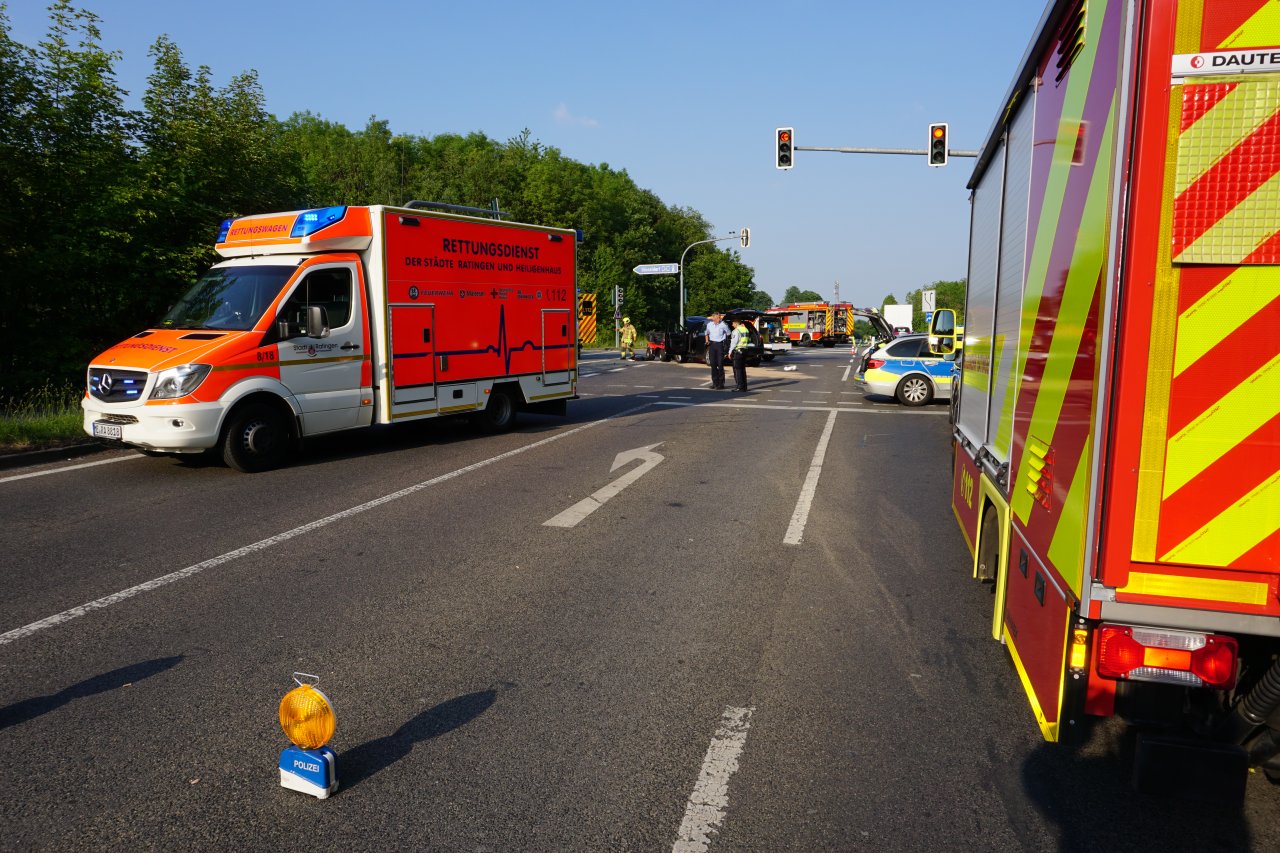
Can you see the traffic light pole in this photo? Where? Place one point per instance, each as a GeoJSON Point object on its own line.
{"type": "Point", "coordinates": [923, 152]}
{"type": "Point", "coordinates": [733, 235]}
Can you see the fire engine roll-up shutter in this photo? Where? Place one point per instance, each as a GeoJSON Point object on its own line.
{"type": "Point", "coordinates": [1013, 267]}
{"type": "Point", "coordinates": [984, 267]}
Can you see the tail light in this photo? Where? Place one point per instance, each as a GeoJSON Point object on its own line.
{"type": "Point", "coordinates": [1171, 657]}
{"type": "Point", "coordinates": [873, 363]}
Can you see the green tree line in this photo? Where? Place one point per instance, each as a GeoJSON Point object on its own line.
{"type": "Point", "coordinates": [110, 211]}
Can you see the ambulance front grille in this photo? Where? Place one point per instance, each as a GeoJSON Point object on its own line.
{"type": "Point", "coordinates": [117, 386]}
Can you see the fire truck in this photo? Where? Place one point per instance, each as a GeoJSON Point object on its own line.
{"type": "Point", "coordinates": [323, 320]}
{"type": "Point", "coordinates": [1117, 438]}
{"type": "Point", "coordinates": [817, 323]}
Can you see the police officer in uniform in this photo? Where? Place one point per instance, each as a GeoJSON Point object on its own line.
{"type": "Point", "coordinates": [717, 336]}
{"type": "Point", "coordinates": [738, 347]}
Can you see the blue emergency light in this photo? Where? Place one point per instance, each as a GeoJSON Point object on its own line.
{"type": "Point", "coordinates": [311, 221]}
{"type": "Point", "coordinates": [224, 230]}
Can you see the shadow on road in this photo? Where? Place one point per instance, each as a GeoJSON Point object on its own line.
{"type": "Point", "coordinates": [359, 763]}
{"type": "Point", "coordinates": [1087, 795]}
{"type": "Point", "coordinates": [29, 709]}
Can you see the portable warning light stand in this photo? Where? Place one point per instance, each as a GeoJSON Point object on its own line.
{"type": "Point", "coordinates": [307, 717]}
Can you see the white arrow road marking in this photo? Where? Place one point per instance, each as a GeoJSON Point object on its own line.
{"type": "Point", "coordinates": [576, 513]}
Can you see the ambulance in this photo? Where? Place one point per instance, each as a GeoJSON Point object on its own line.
{"type": "Point", "coordinates": [318, 321]}
{"type": "Point", "coordinates": [1117, 437]}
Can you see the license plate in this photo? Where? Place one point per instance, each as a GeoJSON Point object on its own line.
{"type": "Point", "coordinates": [105, 430]}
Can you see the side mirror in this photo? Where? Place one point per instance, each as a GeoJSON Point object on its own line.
{"type": "Point", "coordinates": [317, 322]}
{"type": "Point", "coordinates": [942, 332]}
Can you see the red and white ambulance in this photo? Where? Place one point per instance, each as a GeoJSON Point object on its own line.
{"type": "Point", "coordinates": [324, 320]}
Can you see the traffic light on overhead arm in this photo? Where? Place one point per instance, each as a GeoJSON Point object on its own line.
{"type": "Point", "coordinates": [938, 144]}
{"type": "Point", "coordinates": [785, 137]}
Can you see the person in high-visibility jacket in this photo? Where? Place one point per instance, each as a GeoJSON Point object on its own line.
{"type": "Point", "coordinates": [627, 350]}
{"type": "Point", "coordinates": [738, 345]}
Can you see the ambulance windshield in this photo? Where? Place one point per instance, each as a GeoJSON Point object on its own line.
{"type": "Point", "coordinates": [228, 298]}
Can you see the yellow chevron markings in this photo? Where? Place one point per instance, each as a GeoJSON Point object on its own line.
{"type": "Point", "coordinates": [1235, 532]}
{"type": "Point", "coordinates": [1206, 439]}
{"type": "Point", "coordinates": [1223, 310]}
{"type": "Point", "coordinates": [1228, 123]}
{"type": "Point", "coordinates": [1247, 226]}
{"type": "Point", "coordinates": [1262, 30]}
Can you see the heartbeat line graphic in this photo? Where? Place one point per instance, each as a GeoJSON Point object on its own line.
{"type": "Point", "coordinates": [502, 348]}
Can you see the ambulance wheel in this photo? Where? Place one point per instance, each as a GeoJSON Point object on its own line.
{"type": "Point", "coordinates": [500, 414]}
{"type": "Point", "coordinates": [257, 438]}
{"type": "Point", "coordinates": [914, 391]}
{"type": "Point", "coordinates": [989, 546]}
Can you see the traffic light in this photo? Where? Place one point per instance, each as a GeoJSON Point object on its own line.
{"type": "Point", "coordinates": [938, 144]}
{"type": "Point", "coordinates": [744, 237]}
{"type": "Point", "coordinates": [785, 136]}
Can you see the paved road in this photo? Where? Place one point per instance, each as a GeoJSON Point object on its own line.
{"type": "Point", "coordinates": [764, 641]}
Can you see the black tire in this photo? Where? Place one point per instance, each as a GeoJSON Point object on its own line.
{"type": "Point", "coordinates": [678, 358]}
{"type": "Point", "coordinates": [500, 414]}
{"type": "Point", "coordinates": [768, 356]}
{"type": "Point", "coordinates": [806, 341]}
{"type": "Point", "coordinates": [666, 356]}
{"type": "Point", "coordinates": [989, 546]}
{"type": "Point", "coordinates": [914, 390]}
{"type": "Point", "coordinates": [256, 438]}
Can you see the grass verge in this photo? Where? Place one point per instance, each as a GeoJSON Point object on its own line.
{"type": "Point", "coordinates": [46, 417]}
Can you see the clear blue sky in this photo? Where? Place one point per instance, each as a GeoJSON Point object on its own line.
{"type": "Point", "coordinates": [684, 96]}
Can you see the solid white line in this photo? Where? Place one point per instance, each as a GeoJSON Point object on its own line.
{"type": "Point", "coordinates": [795, 532]}
{"type": "Point", "coordinates": [706, 807]}
{"type": "Point", "coordinates": [617, 370]}
{"type": "Point", "coordinates": [886, 410]}
{"type": "Point", "coordinates": [845, 378]}
{"type": "Point", "coordinates": [69, 468]}
{"type": "Point", "coordinates": [181, 574]}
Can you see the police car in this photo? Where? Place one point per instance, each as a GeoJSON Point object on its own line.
{"type": "Point", "coordinates": [904, 368]}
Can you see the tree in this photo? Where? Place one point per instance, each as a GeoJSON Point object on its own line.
{"type": "Point", "coordinates": [760, 301]}
{"type": "Point", "coordinates": [947, 294]}
{"type": "Point", "coordinates": [67, 247]}
{"type": "Point", "coordinates": [794, 294]}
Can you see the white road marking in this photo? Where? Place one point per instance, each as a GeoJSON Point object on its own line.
{"type": "Point", "coordinates": [214, 562]}
{"type": "Point", "coordinates": [583, 508]}
{"type": "Point", "coordinates": [879, 410]}
{"type": "Point", "coordinates": [795, 532]}
{"type": "Point", "coordinates": [706, 807]}
{"type": "Point", "coordinates": [845, 378]}
{"type": "Point", "coordinates": [69, 468]}
{"type": "Point", "coordinates": [616, 370]}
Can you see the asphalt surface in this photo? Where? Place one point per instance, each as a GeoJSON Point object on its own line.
{"type": "Point", "coordinates": [790, 564]}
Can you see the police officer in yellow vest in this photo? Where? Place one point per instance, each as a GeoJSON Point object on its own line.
{"type": "Point", "coordinates": [627, 350]}
{"type": "Point", "coordinates": [738, 345]}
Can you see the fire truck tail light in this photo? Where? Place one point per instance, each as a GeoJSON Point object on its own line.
{"type": "Point", "coordinates": [1171, 657]}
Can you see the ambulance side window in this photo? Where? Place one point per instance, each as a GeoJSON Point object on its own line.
{"type": "Point", "coordinates": [330, 289]}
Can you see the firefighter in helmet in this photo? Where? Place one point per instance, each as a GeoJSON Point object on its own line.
{"type": "Point", "coordinates": [627, 350]}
